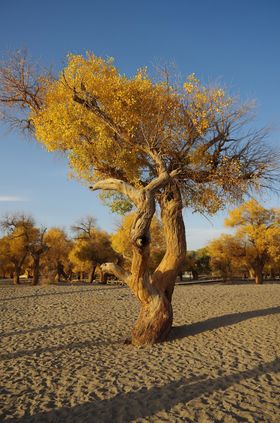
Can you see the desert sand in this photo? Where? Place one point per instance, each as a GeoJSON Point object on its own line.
{"type": "Point", "coordinates": [63, 357]}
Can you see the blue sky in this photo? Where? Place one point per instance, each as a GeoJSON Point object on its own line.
{"type": "Point", "coordinates": [234, 42]}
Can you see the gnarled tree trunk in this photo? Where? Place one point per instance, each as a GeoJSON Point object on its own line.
{"type": "Point", "coordinates": [174, 231]}
{"type": "Point", "coordinates": [154, 293]}
{"type": "Point", "coordinates": [155, 319]}
{"type": "Point", "coordinates": [156, 315]}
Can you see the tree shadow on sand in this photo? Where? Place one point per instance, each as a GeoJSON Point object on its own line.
{"type": "Point", "coordinates": [36, 352]}
{"type": "Point", "coordinates": [83, 291]}
{"type": "Point", "coordinates": [46, 328]}
{"type": "Point", "coordinates": [179, 332]}
{"type": "Point", "coordinates": [125, 407]}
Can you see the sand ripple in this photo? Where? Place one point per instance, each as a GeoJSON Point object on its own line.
{"type": "Point", "coordinates": [63, 358]}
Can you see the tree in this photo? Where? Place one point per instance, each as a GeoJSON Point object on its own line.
{"type": "Point", "coordinates": [121, 241]}
{"type": "Point", "coordinates": [197, 262]}
{"type": "Point", "coordinates": [19, 229]}
{"type": "Point", "coordinates": [37, 247]}
{"type": "Point", "coordinates": [150, 141]}
{"type": "Point", "coordinates": [258, 234]}
{"type": "Point", "coordinates": [91, 248]}
{"type": "Point", "coordinates": [55, 258]}
{"type": "Point", "coordinates": [24, 242]}
{"type": "Point", "coordinates": [226, 255]}
{"type": "Point", "coordinates": [6, 267]}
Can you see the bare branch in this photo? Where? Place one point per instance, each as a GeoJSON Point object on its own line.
{"type": "Point", "coordinates": [116, 270]}
{"type": "Point", "coordinates": [112, 184]}
{"type": "Point", "coordinates": [163, 179]}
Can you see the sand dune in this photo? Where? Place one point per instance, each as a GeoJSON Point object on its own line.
{"type": "Point", "coordinates": [63, 358]}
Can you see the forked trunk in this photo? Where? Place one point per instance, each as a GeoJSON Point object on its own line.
{"type": "Point", "coordinates": [156, 316]}
{"type": "Point", "coordinates": [155, 294]}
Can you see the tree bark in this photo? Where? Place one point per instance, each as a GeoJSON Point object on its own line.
{"type": "Point", "coordinates": [16, 279]}
{"type": "Point", "coordinates": [174, 231]}
{"type": "Point", "coordinates": [258, 277]}
{"type": "Point", "coordinates": [92, 273]}
{"type": "Point", "coordinates": [257, 273]}
{"type": "Point", "coordinates": [154, 294]}
{"type": "Point", "coordinates": [103, 276]}
{"type": "Point", "coordinates": [36, 270]}
{"type": "Point", "coordinates": [60, 273]}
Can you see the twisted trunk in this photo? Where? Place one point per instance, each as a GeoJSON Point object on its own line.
{"type": "Point", "coordinates": [154, 294]}
{"type": "Point", "coordinates": [155, 318]}
{"type": "Point", "coordinates": [174, 231]}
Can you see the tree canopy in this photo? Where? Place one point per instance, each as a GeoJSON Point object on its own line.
{"type": "Point", "coordinates": [133, 128]}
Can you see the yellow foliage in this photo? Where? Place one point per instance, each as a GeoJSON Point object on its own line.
{"type": "Point", "coordinates": [92, 250]}
{"type": "Point", "coordinates": [132, 128]}
{"type": "Point", "coordinates": [256, 242]}
{"type": "Point", "coordinates": [58, 247]}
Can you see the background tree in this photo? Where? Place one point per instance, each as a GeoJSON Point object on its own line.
{"type": "Point", "coordinates": [37, 247]}
{"type": "Point", "coordinates": [20, 230]}
{"type": "Point", "coordinates": [6, 267]}
{"type": "Point", "coordinates": [258, 233]}
{"type": "Point", "coordinates": [197, 262]}
{"type": "Point", "coordinates": [91, 248]}
{"type": "Point", "coordinates": [226, 255]}
{"type": "Point", "coordinates": [55, 259]}
{"type": "Point", "coordinates": [151, 141]}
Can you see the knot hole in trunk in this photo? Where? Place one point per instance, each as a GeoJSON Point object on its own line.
{"type": "Point", "coordinates": [142, 241]}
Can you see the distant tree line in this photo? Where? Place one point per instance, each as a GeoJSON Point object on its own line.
{"type": "Point", "coordinates": [51, 254]}
{"type": "Point", "coordinates": [38, 253]}
{"type": "Point", "coordinates": [253, 251]}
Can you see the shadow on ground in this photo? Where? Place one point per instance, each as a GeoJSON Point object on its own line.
{"type": "Point", "coordinates": [143, 403]}
{"type": "Point", "coordinates": [95, 287]}
{"type": "Point", "coordinates": [179, 332]}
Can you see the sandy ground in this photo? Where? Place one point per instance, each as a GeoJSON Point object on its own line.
{"type": "Point", "coordinates": [63, 358]}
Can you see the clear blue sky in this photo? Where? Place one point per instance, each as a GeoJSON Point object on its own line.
{"type": "Point", "coordinates": [236, 42]}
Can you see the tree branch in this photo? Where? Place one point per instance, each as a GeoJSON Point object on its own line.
{"type": "Point", "coordinates": [116, 270]}
{"type": "Point", "coordinates": [112, 184]}
{"type": "Point", "coordinates": [162, 180]}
